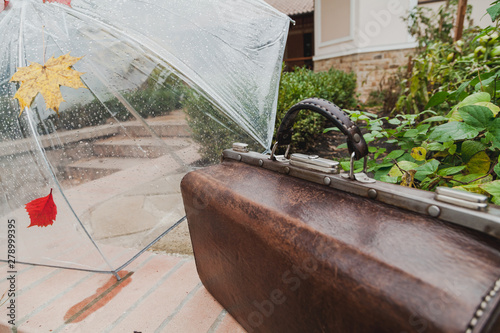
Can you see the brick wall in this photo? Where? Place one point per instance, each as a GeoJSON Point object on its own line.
{"type": "Point", "coordinates": [371, 68]}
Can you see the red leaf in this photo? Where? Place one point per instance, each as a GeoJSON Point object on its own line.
{"type": "Point", "coordinates": [64, 2]}
{"type": "Point", "coordinates": [42, 211]}
{"type": "Point", "coordinates": [3, 4]}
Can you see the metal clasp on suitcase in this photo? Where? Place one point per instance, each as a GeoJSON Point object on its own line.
{"type": "Point", "coordinates": [466, 209]}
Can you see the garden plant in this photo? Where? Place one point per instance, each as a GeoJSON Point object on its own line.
{"type": "Point", "coordinates": [446, 131]}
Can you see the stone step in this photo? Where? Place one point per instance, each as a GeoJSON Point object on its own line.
{"type": "Point", "coordinates": [95, 168]}
{"type": "Point", "coordinates": [162, 129]}
{"type": "Point", "coordinates": [137, 147]}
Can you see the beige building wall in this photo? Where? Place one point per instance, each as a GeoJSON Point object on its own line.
{"type": "Point", "coordinates": [376, 42]}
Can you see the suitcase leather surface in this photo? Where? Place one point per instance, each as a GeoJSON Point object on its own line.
{"type": "Point", "coordinates": [285, 255]}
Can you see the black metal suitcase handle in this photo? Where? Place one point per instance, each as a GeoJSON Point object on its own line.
{"type": "Point", "coordinates": [355, 141]}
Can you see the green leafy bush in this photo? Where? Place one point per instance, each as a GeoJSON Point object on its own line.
{"type": "Point", "coordinates": [462, 151]}
{"type": "Point", "coordinates": [302, 83]}
{"type": "Point", "coordinates": [455, 145]}
{"type": "Point", "coordinates": [210, 128]}
{"type": "Point", "coordinates": [441, 65]}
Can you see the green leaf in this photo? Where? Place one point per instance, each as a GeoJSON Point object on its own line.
{"type": "Point", "coordinates": [411, 133]}
{"type": "Point", "coordinates": [451, 170]}
{"type": "Point", "coordinates": [494, 125]}
{"type": "Point", "coordinates": [453, 131]}
{"type": "Point", "coordinates": [476, 116]}
{"type": "Point", "coordinates": [475, 98]}
{"type": "Point", "coordinates": [494, 11]}
{"type": "Point", "coordinates": [469, 100]}
{"type": "Point", "coordinates": [471, 148]}
{"type": "Point", "coordinates": [383, 171]}
{"type": "Point", "coordinates": [379, 152]}
{"type": "Point", "coordinates": [406, 157]}
{"type": "Point", "coordinates": [435, 146]}
{"type": "Point", "coordinates": [495, 200]}
{"type": "Point", "coordinates": [485, 83]}
{"type": "Point", "coordinates": [460, 91]}
{"type": "Point", "coordinates": [369, 137]}
{"type": "Point", "coordinates": [437, 99]}
{"type": "Point", "coordinates": [326, 130]}
{"type": "Point", "coordinates": [492, 188]}
{"type": "Point", "coordinates": [474, 188]}
{"type": "Point", "coordinates": [423, 128]}
{"type": "Point", "coordinates": [453, 149]}
{"type": "Point", "coordinates": [435, 119]}
{"type": "Point", "coordinates": [493, 108]}
{"type": "Point", "coordinates": [479, 163]}
{"type": "Point", "coordinates": [394, 121]}
{"type": "Point", "coordinates": [484, 79]}
{"type": "Point", "coordinates": [394, 155]}
{"type": "Point", "coordinates": [426, 169]}
{"type": "Point", "coordinates": [471, 178]}
{"type": "Point", "coordinates": [405, 165]}
{"type": "Point", "coordinates": [448, 144]}
{"type": "Point", "coordinates": [497, 169]}
{"type": "Point", "coordinates": [493, 138]}
{"type": "Point", "coordinates": [388, 179]}
{"type": "Point", "coordinates": [342, 146]}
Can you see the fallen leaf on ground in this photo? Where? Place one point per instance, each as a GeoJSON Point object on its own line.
{"type": "Point", "coordinates": [46, 79]}
{"type": "Point", "coordinates": [42, 211]}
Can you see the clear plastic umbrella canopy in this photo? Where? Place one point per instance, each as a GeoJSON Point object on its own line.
{"type": "Point", "coordinates": [168, 85]}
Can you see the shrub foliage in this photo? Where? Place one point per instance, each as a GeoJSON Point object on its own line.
{"type": "Point", "coordinates": [450, 133]}
{"type": "Point", "coordinates": [302, 83]}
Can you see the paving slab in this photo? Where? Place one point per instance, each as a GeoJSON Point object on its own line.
{"type": "Point", "coordinates": [159, 293]}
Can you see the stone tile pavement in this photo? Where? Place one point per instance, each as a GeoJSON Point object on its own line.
{"type": "Point", "coordinates": [157, 293]}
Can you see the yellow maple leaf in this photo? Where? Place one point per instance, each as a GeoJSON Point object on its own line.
{"type": "Point", "coordinates": [46, 79]}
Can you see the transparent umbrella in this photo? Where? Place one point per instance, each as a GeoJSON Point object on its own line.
{"type": "Point", "coordinates": [168, 84]}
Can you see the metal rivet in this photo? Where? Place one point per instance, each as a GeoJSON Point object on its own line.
{"type": "Point", "coordinates": [479, 313]}
{"type": "Point", "coordinates": [473, 322]}
{"type": "Point", "coordinates": [287, 170]}
{"type": "Point", "coordinates": [356, 138]}
{"type": "Point", "coordinates": [239, 157]}
{"type": "Point", "coordinates": [434, 211]}
{"type": "Point", "coordinates": [372, 193]}
{"type": "Point", "coordinates": [327, 180]}
{"type": "Point", "coordinates": [261, 162]}
{"type": "Point", "coordinates": [484, 305]}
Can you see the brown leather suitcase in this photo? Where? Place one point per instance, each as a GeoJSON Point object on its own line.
{"type": "Point", "coordinates": [285, 248]}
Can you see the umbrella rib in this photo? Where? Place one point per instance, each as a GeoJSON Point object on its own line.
{"type": "Point", "coordinates": [51, 170]}
{"type": "Point", "coordinates": [223, 105]}
{"type": "Point", "coordinates": [134, 112]}
{"type": "Point", "coordinates": [47, 162]}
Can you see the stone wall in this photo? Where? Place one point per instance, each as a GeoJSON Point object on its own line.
{"type": "Point", "coordinates": [371, 68]}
